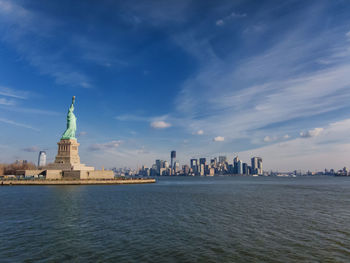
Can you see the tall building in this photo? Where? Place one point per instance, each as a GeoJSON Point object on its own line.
{"type": "Point", "coordinates": [260, 168]}
{"type": "Point", "coordinates": [245, 169]}
{"type": "Point", "coordinates": [176, 167]}
{"type": "Point", "coordinates": [222, 159]}
{"type": "Point", "coordinates": [201, 169]}
{"type": "Point", "coordinates": [235, 165]}
{"type": "Point", "coordinates": [202, 164]}
{"type": "Point", "coordinates": [185, 169]}
{"type": "Point", "coordinates": [172, 157]}
{"type": "Point", "coordinates": [194, 165]}
{"type": "Point", "coordinates": [213, 162]}
{"type": "Point", "coordinates": [239, 167]}
{"type": "Point", "coordinates": [42, 159]}
{"type": "Point", "coordinates": [257, 165]}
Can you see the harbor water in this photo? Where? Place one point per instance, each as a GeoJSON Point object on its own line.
{"type": "Point", "coordinates": [179, 219]}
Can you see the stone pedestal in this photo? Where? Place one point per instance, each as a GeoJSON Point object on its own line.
{"type": "Point", "coordinates": [67, 157]}
{"type": "Point", "coordinates": [68, 152]}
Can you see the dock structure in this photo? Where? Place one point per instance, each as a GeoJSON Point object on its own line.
{"type": "Point", "coordinates": [7, 182]}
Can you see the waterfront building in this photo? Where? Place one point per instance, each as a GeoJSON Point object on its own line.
{"type": "Point", "coordinates": [42, 159]}
{"type": "Point", "coordinates": [176, 167]}
{"type": "Point", "coordinates": [186, 169]}
{"type": "Point", "coordinates": [166, 164]}
{"type": "Point", "coordinates": [245, 169]}
{"type": "Point", "coordinates": [21, 162]}
{"type": "Point", "coordinates": [260, 168]}
{"type": "Point", "coordinates": [222, 159]}
{"type": "Point", "coordinates": [235, 165]}
{"type": "Point", "coordinates": [257, 165]}
{"type": "Point", "coordinates": [211, 172]}
{"type": "Point", "coordinates": [239, 167]}
{"type": "Point", "coordinates": [201, 170]}
{"type": "Point", "coordinates": [172, 157]}
{"type": "Point", "coordinates": [158, 165]}
{"type": "Point", "coordinates": [194, 166]}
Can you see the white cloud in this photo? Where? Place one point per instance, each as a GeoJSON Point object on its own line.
{"type": "Point", "coordinates": [160, 124]}
{"type": "Point", "coordinates": [311, 133]}
{"type": "Point", "coordinates": [348, 34]}
{"type": "Point", "coordinates": [280, 89]}
{"type": "Point", "coordinates": [218, 139]}
{"type": "Point", "coordinates": [330, 149]}
{"type": "Point", "coordinates": [286, 136]}
{"type": "Point", "coordinates": [105, 146]}
{"type": "Point", "coordinates": [220, 22]}
{"type": "Point", "coordinates": [199, 132]}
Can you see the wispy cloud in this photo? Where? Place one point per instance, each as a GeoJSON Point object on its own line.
{"type": "Point", "coordinates": [275, 138]}
{"type": "Point", "coordinates": [24, 30]}
{"type": "Point", "coordinates": [82, 133]}
{"type": "Point", "coordinates": [31, 149]}
{"type": "Point", "coordinates": [25, 110]}
{"type": "Point", "coordinates": [7, 102]}
{"type": "Point", "coordinates": [132, 117]}
{"type": "Point", "coordinates": [11, 122]}
{"type": "Point", "coordinates": [222, 21]}
{"type": "Point", "coordinates": [160, 124]}
{"type": "Point", "coordinates": [219, 139]}
{"type": "Point", "coordinates": [198, 132]}
{"type": "Point", "coordinates": [329, 149]}
{"type": "Point", "coordinates": [275, 86]}
{"type": "Point", "coordinates": [105, 146]}
{"type": "Point", "coordinates": [17, 94]}
{"type": "Point", "coordinates": [311, 133]}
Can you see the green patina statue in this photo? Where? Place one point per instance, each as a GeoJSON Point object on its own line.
{"type": "Point", "coordinates": [71, 123]}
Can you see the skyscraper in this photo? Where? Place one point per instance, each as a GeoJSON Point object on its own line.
{"type": "Point", "coordinates": [172, 157]}
{"type": "Point", "coordinates": [42, 159]}
{"type": "Point", "coordinates": [222, 159]}
{"type": "Point", "coordinates": [235, 164]}
{"type": "Point", "coordinates": [260, 169]}
{"type": "Point", "coordinates": [194, 165]}
{"type": "Point", "coordinates": [239, 167]}
{"type": "Point", "coordinates": [257, 165]}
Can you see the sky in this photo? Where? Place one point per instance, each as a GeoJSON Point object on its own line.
{"type": "Point", "coordinates": [204, 78]}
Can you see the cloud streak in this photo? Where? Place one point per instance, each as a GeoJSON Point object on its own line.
{"type": "Point", "coordinates": [11, 122]}
{"type": "Point", "coordinates": [105, 146]}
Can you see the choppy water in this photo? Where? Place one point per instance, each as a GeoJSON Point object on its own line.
{"type": "Point", "coordinates": [219, 219]}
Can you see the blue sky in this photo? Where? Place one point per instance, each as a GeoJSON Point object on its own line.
{"type": "Point", "coordinates": [205, 78]}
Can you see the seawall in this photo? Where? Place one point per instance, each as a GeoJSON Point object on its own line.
{"type": "Point", "coordinates": [76, 182]}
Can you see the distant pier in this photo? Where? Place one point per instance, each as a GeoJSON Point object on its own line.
{"type": "Point", "coordinates": [77, 182]}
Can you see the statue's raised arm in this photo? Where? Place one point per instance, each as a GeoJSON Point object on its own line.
{"type": "Point", "coordinates": [71, 123]}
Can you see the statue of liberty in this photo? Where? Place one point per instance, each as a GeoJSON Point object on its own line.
{"type": "Point", "coordinates": [71, 123]}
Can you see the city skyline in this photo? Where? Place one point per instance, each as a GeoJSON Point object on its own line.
{"type": "Point", "coordinates": [207, 79]}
